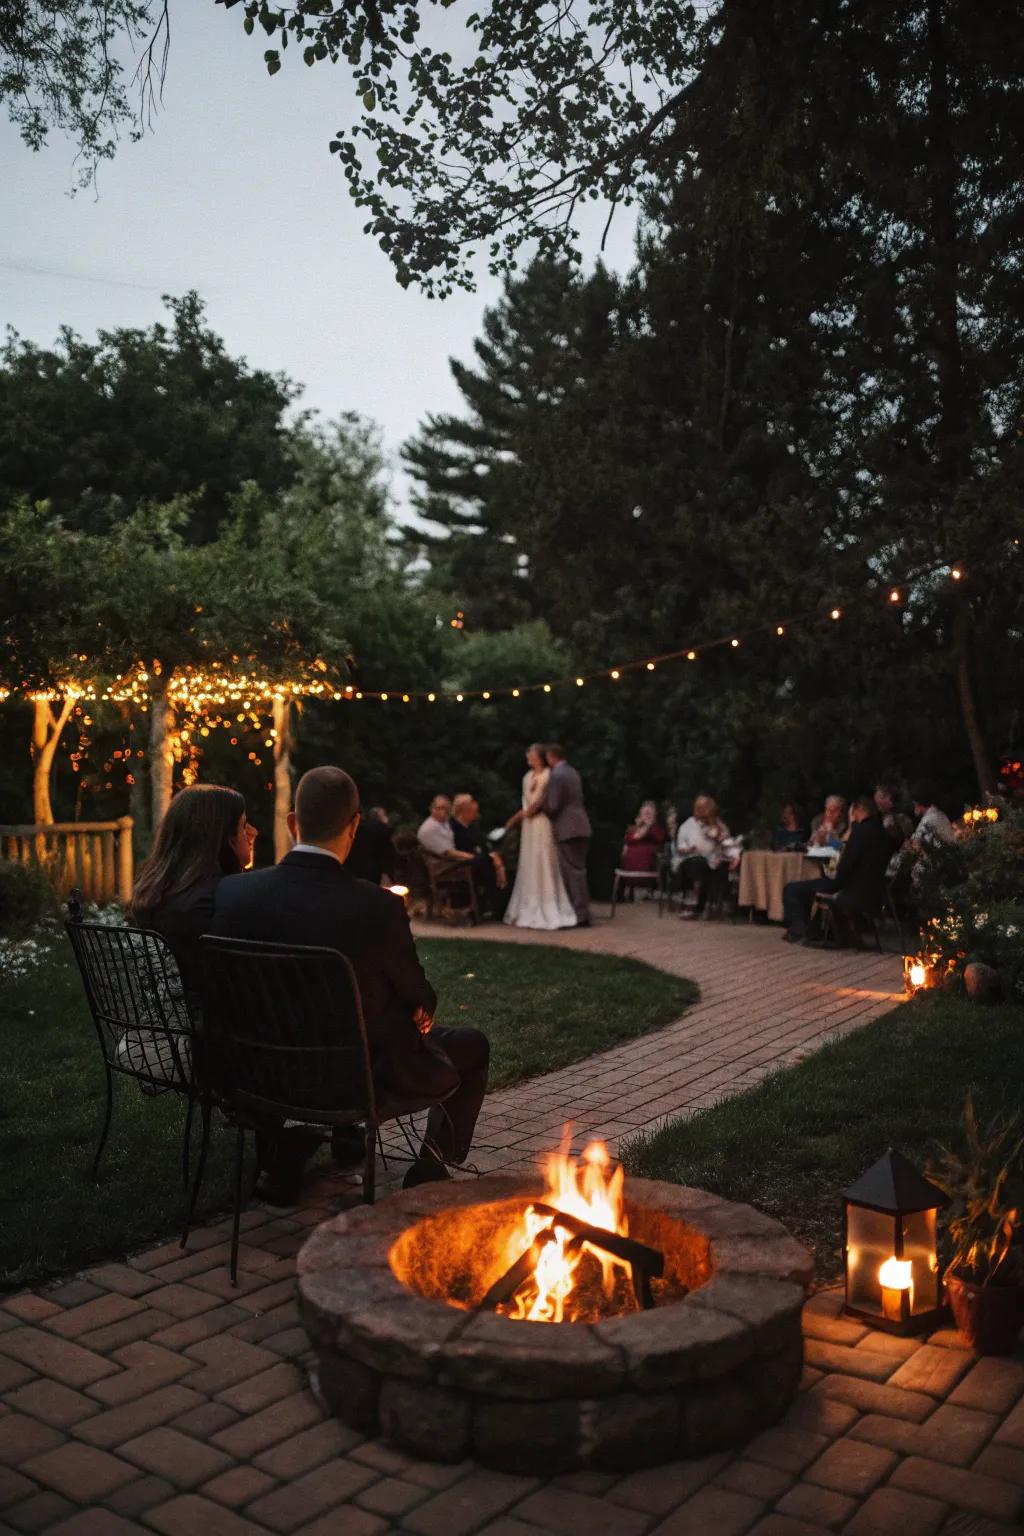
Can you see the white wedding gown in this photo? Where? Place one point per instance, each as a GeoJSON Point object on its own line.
{"type": "Point", "coordinates": [539, 898]}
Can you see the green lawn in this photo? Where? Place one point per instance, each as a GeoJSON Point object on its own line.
{"type": "Point", "coordinates": [792, 1144]}
{"type": "Point", "coordinates": [541, 1007]}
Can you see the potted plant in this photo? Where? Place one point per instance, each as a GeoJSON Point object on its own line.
{"type": "Point", "coordinates": [985, 1276]}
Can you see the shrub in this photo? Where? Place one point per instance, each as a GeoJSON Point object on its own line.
{"type": "Point", "coordinates": [26, 897]}
{"type": "Point", "coordinates": [973, 894]}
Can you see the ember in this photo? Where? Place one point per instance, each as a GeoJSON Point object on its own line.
{"type": "Point", "coordinates": [581, 1219]}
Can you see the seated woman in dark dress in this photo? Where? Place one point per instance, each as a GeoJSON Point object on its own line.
{"type": "Point", "coordinates": [791, 834]}
{"type": "Point", "coordinates": [203, 837]}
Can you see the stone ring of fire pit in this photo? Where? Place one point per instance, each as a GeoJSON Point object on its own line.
{"type": "Point", "coordinates": [444, 1381]}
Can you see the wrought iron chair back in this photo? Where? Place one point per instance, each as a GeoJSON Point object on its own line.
{"type": "Point", "coordinates": [284, 1032]}
{"type": "Point", "coordinates": [138, 1007]}
{"type": "Point", "coordinates": [284, 1039]}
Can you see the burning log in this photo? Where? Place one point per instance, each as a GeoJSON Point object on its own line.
{"type": "Point", "coordinates": [644, 1262]}
{"type": "Point", "coordinates": [518, 1273]}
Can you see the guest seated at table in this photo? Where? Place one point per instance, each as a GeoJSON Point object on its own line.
{"type": "Point", "coordinates": [791, 834]}
{"type": "Point", "coordinates": [857, 882]}
{"type": "Point", "coordinates": [705, 855]}
{"type": "Point", "coordinates": [643, 841]}
{"type": "Point", "coordinates": [310, 898]}
{"type": "Point", "coordinates": [488, 867]}
{"type": "Point", "coordinates": [897, 823]}
{"type": "Point", "coordinates": [829, 827]}
{"type": "Point", "coordinates": [373, 852]}
{"type": "Point", "coordinates": [933, 825]}
{"type": "Point", "coordinates": [204, 836]}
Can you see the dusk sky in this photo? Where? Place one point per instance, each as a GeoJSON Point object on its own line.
{"type": "Point", "coordinates": [234, 193]}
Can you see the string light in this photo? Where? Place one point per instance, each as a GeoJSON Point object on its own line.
{"type": "Point", "coordinates": [193, 693]}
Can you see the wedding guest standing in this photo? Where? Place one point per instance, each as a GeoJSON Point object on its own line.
{"type": "Point", "coordinates": [643, 841]}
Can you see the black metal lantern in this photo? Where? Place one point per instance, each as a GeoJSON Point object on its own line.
{"type": "Point", "coordinates": [890, 1247]}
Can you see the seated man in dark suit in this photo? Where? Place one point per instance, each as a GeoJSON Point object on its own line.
{"type": "Point", "coordinates": [310, 898]}
{"type": "Point", "coordinates": [488, 868]}
{"type": "Point", "coordinates": [857, 882]}
{"type": "Point", "coordinates": [373, 852]}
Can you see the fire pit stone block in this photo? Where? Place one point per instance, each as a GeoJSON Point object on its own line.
{"type": "Point", "coordinates": [399, 1356]}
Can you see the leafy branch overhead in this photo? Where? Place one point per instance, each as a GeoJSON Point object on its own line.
{"type": "Point", "coordinates": [482, 133]}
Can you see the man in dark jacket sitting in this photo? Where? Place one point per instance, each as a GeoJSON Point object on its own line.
{"type": "Point", "coordinates": [311, 898]}
{"type": "Point", "coordinates": [857, 882]}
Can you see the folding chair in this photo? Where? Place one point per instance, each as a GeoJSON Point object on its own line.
{"type": "Point", "coordinates": [285, 1040]}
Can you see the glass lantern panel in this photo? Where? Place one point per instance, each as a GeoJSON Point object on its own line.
{"type": "Point", "coordinates": [919, 1247]}
{"type": "Point", "coordinates": [870, 1240]}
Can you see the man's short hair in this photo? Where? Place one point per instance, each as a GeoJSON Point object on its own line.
{"type": "Point", "coordinates": [866, 803]}
{"type": "Point", "coordinates": [460, 802]}
{"type": "Point", "coordinates": [555, 750]}
{"type": "Point", "coordinates": [836, 800]}
{"type": "Point", "coordinates": [326, 802]}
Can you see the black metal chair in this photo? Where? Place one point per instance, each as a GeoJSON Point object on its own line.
{"type": "Point", "coordinates": [285, 1040]}
{"type": "Point", "coordinates": [832, 919]}
{"type": "Point", "coordinates": [142, 1018]}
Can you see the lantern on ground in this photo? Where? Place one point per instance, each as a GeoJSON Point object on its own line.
{"type": "Point", "coordinates": [890, 1249]}
{"type": "Point", "coordinates": [917, 974]}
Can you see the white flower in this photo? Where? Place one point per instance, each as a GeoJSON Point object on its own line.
{"type": "Point", "coordinates": [1011, 931]}
{"type": "Point", "coordinates": [981, 919]}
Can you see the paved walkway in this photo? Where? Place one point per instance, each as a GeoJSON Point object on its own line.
{"type": "Point", "coordinates": [149, 1396]}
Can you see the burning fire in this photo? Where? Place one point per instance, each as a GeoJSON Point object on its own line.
{"type": "Point", "coordinates": [589, 1190]}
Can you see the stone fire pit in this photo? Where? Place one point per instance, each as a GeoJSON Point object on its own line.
{"type": "Point", "coordinates": [444, 1381]}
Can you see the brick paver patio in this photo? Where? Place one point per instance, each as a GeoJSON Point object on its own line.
{"type": "Point", "coordinates": [147, 1395]}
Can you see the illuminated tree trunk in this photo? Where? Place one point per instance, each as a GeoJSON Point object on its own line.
{"type": "Point", "coordinates": [161, 747]}
{"type": "Point", "coordinates": [47, 729]}
{"type": "Point", "coordinates": [284, 745]}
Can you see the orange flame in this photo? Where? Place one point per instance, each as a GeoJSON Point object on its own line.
{"type": "Point", "coordinates": [591, 1190]}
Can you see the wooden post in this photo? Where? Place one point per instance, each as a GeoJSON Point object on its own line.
{"type": "Point", "coordinates": [284, 745]}
{"type": "Point", "coordinates": [125, 870]}
{"type": "Point", "coordinates": [161, 747]}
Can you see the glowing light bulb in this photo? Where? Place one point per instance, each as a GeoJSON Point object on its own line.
{"type": "Point", "coordinates": [615, 674]}
{"type": "Point", "coordinates": [485, 694]}
{"type": "Point", "coordinates": [691, 655]}
{"type": "Point", "coordinates": [734, 643]}
{"type": "Point", "coordinates": [650, 666]}
{"type": "Point", "coordinates": [894, 595]}
{"type": "Point", "coordinates": [515, 693]}
{"type": "Point", "coordinates": [956, 573]}
{"type": "Point", "coordinates": [547, 687]}
{"type": "Point", "coordinates": [458, 698]}
{"type": "Point", "coordinates": [779, 629]}
{"type": "Point", "coordinates": [431, 697]}
{"type": "Point", "coordinates": [579, 682]}
{"type": "Point", "coordinates": [836, 613]}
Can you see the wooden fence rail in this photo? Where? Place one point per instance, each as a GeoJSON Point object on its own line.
{"type": "Point", "coordinates": [93, 856]}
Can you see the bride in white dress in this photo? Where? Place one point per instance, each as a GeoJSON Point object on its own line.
{"type": "Point", "coordinates": [539, 898]}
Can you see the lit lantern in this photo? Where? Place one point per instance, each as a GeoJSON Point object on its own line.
{"type": "Point", "coordinates": [916, 974]}
{"type": "Point", "coordinates": [890, 1247]}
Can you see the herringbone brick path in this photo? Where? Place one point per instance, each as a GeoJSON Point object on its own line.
{"type": "Point", "coordinates": [148, 1396]}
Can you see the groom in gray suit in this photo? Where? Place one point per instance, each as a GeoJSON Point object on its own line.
{"type": "Point", "coordinates": [563, 802]}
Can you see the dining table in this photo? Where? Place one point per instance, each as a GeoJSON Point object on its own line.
{"type": "Point", "coordinates": [764, 873]}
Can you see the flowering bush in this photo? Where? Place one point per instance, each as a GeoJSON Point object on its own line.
{"type": "Point", "coordinates": [972, 895]}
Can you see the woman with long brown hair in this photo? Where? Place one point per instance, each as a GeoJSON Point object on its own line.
{"type": "Point", "coordinates": [204, 836]}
